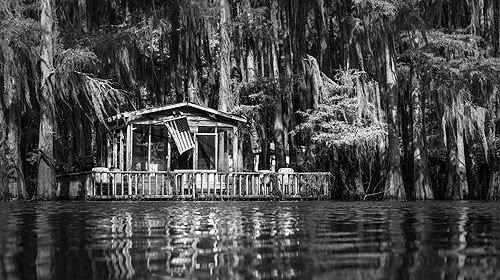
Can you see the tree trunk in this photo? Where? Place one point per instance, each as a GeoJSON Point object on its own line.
{"type": "Point", "coordinates": [474, 19]}
{"type": "Point", "coordinates": [358, 183]}
{"type": "Point", "coordinates": [192, 86]}
{"type": "Point", "coordinates": [456, 184]}
{"type": "Point", "coordinates": [494, 159]}
{"type": "Point", "coordinates": [4, 175]}
{"type": "Point", "coordinates": [46, 171]}
{"type": "Point", "coordinates": [288, 112]}
{"type": "Point", "coordinates": [70, 142]}
{"type": "Point", "coordinates": [278, 113]}
{"type": "Point", "coordinates": [126, 72]}
{"type": "Point", "coordinates": [496, 28]}
{"type": "Point", "coordinates": [299, 31]}
{"type": "Point", "coordinates": [421, 178]}
{"type": "Point", "coordinates": [226, 100]}
{"type": "Point", "coordinates": [344, 18]}
{"type": "Point", "coordinates": [174, 51]}
{"type": "Point", "coordinates": [494, 181]}
{"type": "Point", "coordinates": [462, 184]}
{"type": "Point", "coordinates": [82, 15]}
{"type": "Point", "coordinates": [262, 64]}
{"type": "Point", "coordinates": [274, 44]}
{"type": "Point", "coordinates": [322, 33]}
{"type": "Point", "coordinates": [12, 94]}
{"type": "Point", "coordinates": [406, 132]}
{"type": "Point", "coordinates": [471, 171]}
{"type": "Point", "coordinates": [17, 187]}
{"type": "Point", "coordinates": [394, 187]}
{"type": "Point", "coordinates": [313, 80]}
{"type": "Point", "coordinates": [250, 63]}
{"type": "Point", "coordinates": [249, 45]}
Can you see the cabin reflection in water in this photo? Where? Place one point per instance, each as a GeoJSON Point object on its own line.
{"type": "Point", "coordinates": [249, 240]}
{"type": "Point", "coordinates": [194, 247]}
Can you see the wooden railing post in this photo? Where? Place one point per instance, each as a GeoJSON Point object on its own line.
{"type": "Point", "coordinates": [234, 185]}
{"type": "Point", "coordinates": [121, 184]}
{"type": "Point", "coordinates": [113, 182]}
{"type": "Point", "coordinates": [220, 186]}
{"type": "Point", "coordinates": [131, 184]}
{"type": "Point", "coordinates": [93, 191]}
{"type": "Point", "coordinates": [149, 181]}
{"type": "Point", "coordinates": [193, 182]}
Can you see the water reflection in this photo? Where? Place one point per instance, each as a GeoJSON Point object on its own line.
{"type": "Point", "coordinates": [249, 240]}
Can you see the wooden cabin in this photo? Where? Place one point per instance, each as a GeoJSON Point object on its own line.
{"type": "Point", "coordinates": [140, 140]}
{"type": "Point", "coordinates": [182, 151]}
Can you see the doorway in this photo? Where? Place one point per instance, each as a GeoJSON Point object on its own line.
{"type": "Point", "coordinates": [205, 151]}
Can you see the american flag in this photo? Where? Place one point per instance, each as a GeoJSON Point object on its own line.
{"type": "Point", "coordinates": [179, 129]}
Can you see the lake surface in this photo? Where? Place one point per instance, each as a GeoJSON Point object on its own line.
{"type": "Point", "coordinates": [249, 240]}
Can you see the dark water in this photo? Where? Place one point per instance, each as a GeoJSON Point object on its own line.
{"type": "Point", "coordinates": [249, 240]}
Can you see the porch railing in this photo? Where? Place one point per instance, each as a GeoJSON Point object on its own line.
{"type": "Point", "coordinates": [208, 185]}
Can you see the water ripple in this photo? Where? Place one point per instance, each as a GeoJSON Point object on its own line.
{"type": "Point", "coordinates": [249, 240]}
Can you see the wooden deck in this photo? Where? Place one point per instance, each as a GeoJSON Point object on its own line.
{"type": "Point", "coordinates": [198, 185]}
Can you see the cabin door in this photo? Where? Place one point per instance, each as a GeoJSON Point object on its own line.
{"type": "Point", "coordinates": [205, 151]}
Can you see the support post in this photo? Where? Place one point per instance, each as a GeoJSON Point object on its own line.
{"type": "Point", "coordinates": [256, 162]}
{"type": "Point", "coordinates": [149, 148]}
{"type": "Point", "coordinates": [122, 152]}
{"type": "Point", "coordinates": [272, 156]}
{"type": "Point", "coordinates": [129, 147]}
{"type": "Point", "coordinates": [195, 152]}
{"type": "Point", "coordinates": [109, 152]}
{"type": "Point", "coordinates": [169, 152]}
{"type": "Point", "coordinates": [235, 149]}
{"type": "Point", "coordinates": [217, 158]}
{"type": "Point", "coordinates": [114, 163]}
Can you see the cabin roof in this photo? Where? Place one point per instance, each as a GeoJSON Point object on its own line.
{"type": "Point", "coordinates": [178, 107]}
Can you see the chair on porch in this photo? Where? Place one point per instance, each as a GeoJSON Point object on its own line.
{"type": "Point", "coordinates": [101, 180]}
{"type": "Point", "coordinates": [286, 179]}
{"type": "Point", "coordinates": [265, 182]}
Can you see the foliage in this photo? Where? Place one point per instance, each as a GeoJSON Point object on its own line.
{"type": "Point", "coordinates": [314, 185]}
{"type": "Point", "coordinates": [74, 73]}
{"type": "Point", "coordinates": [454, 45]}
{"type": "Point", "coordinates": [381, 7]}
{"type": "Point", "coordinates": [77, 59]}
{"type": "Point", "coordinates": [337, 121]}
{"type": "Point", "coordinates": [20, 32]}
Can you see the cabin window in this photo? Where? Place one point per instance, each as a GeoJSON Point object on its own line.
{"type": "Point", "coordinates": [150, 149]}
{"type": "Point", "coordinates": [159, 146]}
{"type": "Point", "coordinates": [206, 155]}
{"type": "Point", "coordinates": [140, 148]}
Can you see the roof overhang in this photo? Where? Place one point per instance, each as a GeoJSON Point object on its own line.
{"type": "Point", "coordinates": [171, 109]}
